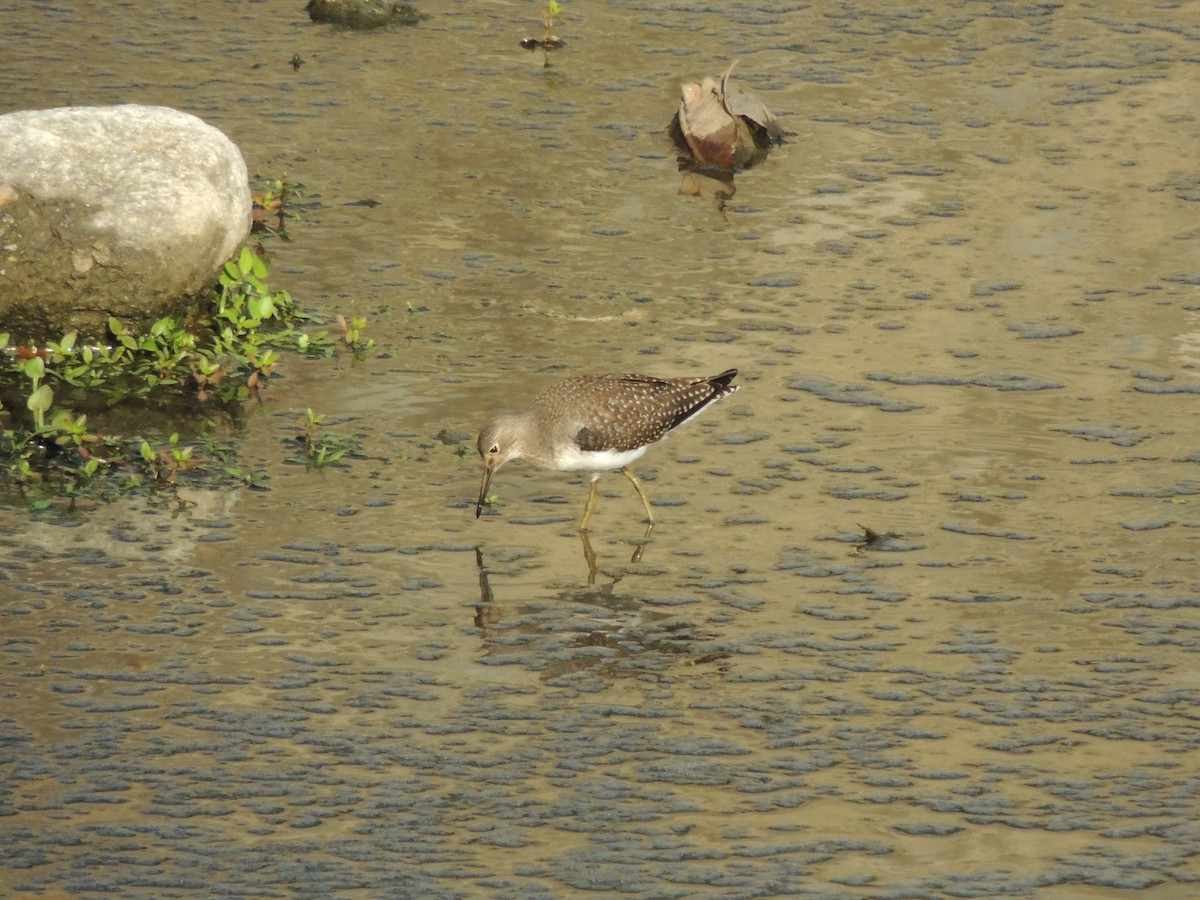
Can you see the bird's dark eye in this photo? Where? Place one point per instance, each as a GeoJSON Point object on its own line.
{"type": "Point", "coordinates": [495, 448]}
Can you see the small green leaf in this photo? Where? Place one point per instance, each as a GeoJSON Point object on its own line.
{"type": "Point", "coordinates": [41, 399]}
{"type": "Point", "coordinates": [34, 368]}
{"type": "Point", "coordinates": [260, 306]}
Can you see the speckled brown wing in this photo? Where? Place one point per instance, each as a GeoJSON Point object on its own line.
{"type": "Point", "coordinates": [627, 411]}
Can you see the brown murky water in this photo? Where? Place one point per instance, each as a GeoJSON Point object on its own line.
{"type": "Point", "coordinates": [964, 301]}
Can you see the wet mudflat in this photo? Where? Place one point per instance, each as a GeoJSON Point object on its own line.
{"type": "Point", "coordinates": [963, 301]}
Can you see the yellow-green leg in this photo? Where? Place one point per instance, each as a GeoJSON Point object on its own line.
{"type": "Point", "coordinates": [591, 504]}
{"type": "Point", "coordinates": [589, 556]}
{"type": "Point", "coordinates": [637, 486]}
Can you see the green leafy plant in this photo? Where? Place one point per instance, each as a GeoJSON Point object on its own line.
{"type": "Point", "coordinates": [40, 396]}
{"type": "Point", "coordinates": [225, 359]}
{"type": "Point", "coordinates": [352, 334]}
{"type": "Point", "coordinates": [550, 16]}
{"type": "Point", "coordinates": [320, 448]}
{"type": "Point", "coordinates": [551, 13]}
{"type": "Point", "coordinates": [166, 462]}
{"type": "Point", "coordinates": [272, 206]}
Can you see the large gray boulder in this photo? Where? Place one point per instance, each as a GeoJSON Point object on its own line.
{"type": "Point", "coordinates": [126, 211]}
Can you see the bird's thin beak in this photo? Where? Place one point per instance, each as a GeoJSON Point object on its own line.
{"type": "Point", "coordinates": [487, 481]}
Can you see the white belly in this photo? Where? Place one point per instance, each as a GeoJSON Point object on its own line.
{"type": "Point", "coordinates": [576, 460]}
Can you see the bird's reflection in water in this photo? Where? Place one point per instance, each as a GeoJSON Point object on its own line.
{"type": "Point", "coordinates": [610, 611]}
{"type": "Point", "coordinates": [608, 629]}
{"type": "Point", "coordinates": [486, 606]}
{"type": "Point", "coordinates": [589, 554]}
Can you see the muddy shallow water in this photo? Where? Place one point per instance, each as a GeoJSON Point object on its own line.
{"type": "Point", "coordinates": [964, 302]}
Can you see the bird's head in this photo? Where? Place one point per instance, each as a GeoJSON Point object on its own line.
{"type": "Point", "coordinates": [499, 441]}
